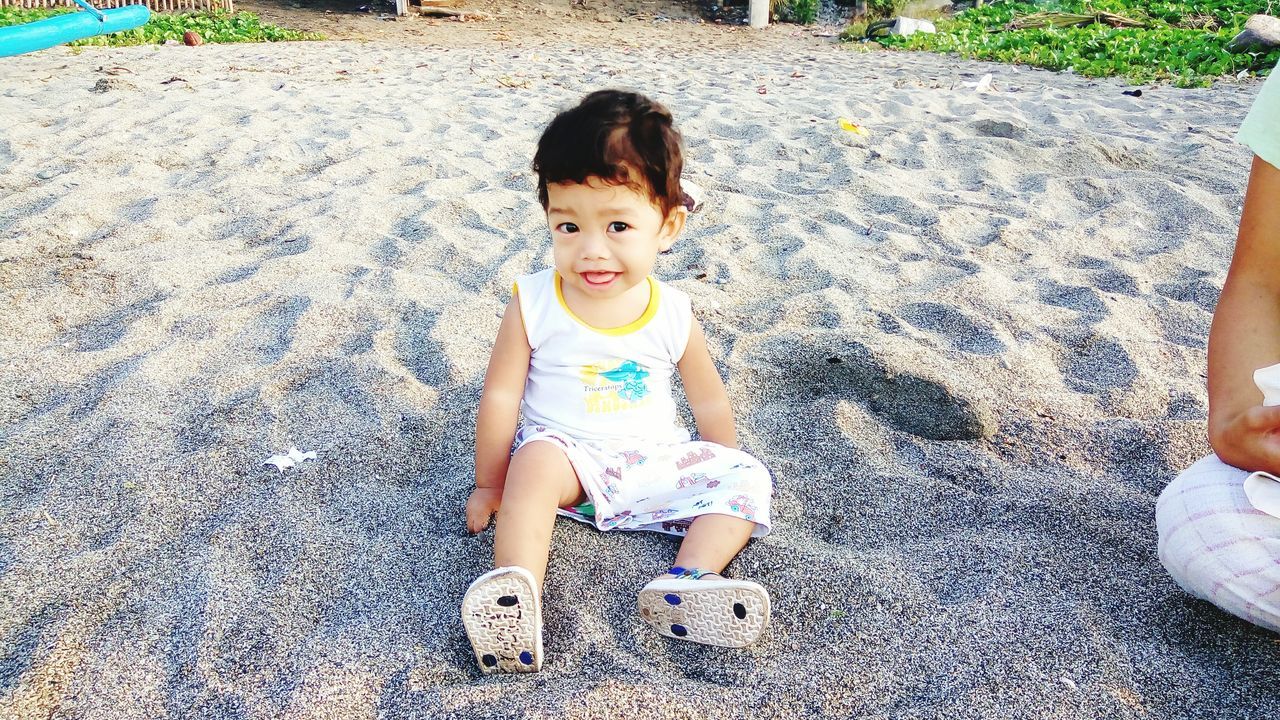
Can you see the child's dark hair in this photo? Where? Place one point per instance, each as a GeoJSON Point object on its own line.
{"type": "Point", "coordinates": [621, 137]}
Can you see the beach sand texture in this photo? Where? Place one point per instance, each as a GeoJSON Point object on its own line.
{"type": "Point", "coordinates": [970, 345]}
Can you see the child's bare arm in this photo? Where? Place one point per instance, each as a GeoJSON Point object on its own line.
{"type": "Point", "coordinates": [1246, 333]}
{"type": "Point", "coordinates": [705, 391]}
{"type": "Point", "coordinates": [497, 416]}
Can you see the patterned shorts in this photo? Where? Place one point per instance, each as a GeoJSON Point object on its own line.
{"type": "Point", "coordinates": [661, 487]}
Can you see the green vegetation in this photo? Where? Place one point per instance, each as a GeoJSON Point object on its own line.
{"type": "Point", "coordinates": [804, 12]}
{"type": "Point", "coordinates": [1179, 42]}
{"type": "Point", "coordinates": [215, 27]}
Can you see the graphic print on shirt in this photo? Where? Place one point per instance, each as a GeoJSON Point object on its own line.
{"type": "Point", "coordinates": [614, 386]}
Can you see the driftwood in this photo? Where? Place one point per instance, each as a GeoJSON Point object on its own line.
{"type": "Point", "coordinates": [1061, 19]}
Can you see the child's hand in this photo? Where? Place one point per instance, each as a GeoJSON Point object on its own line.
{"type": "Point", "coordinates": [1250, 440]}
{"type": "Point", "coordinates": [481, 506]}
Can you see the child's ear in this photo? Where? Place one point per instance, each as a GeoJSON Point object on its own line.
{"type": "Point", "coordinates": [672, 227]}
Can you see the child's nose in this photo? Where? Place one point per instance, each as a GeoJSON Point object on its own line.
{"type": "Point", "coordinates": [594, 246]}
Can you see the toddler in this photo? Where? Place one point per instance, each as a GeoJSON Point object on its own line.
{"type": "Point", "coordinates": [580, 378]}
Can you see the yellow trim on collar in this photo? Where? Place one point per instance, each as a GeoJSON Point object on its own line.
{"type": "Point", "coordinates": [650, 310]}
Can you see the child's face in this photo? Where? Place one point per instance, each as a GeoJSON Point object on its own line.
{"type": "Point", "coordinates": [606, 238]}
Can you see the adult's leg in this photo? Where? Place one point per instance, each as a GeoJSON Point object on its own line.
{"type": "Point", "coordinates": [540, 479]}
{"type": "Point", "coordinates": [1217, 546]}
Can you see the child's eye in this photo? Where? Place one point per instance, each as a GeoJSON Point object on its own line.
{"type": "Point", "coordinates": [567, 228]}
{"type": "Point", "coordinates": [618, 227]}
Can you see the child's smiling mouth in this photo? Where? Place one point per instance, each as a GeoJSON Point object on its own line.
{"type": "Point", "coordinates": [599, 279]}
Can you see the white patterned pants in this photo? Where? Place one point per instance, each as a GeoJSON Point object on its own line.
{"type": "Point", "coordinates": [1217, 546]}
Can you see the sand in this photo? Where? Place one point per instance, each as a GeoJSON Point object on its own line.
{"type": "Point", "coordinates": [970, 345]}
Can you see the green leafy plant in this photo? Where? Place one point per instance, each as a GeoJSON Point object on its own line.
{"type": "Point", "coordinates": [1183, 43]}
{"type": "Point", "coordinates": [804, 12]}
{"type": "Point", "coordinates": [213, 27]}
{"type": "Point", "coordinates": [884, 8]}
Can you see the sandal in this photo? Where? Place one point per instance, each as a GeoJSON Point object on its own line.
{"type": "Point", "coordinates": [503, 617]}
{"type": "Point", "coordinates": [724, 612]}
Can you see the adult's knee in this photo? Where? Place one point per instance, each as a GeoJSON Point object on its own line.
{"type": "Point", "coordinates": [1195, 513]}
{"type": "Point", "coordinates": [1216, 546]}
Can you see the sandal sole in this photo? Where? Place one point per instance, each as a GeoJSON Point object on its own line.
{"type": "Point", "coordinates": [727, 613]}
{"type": "Point", "coordinates": [503, 618]}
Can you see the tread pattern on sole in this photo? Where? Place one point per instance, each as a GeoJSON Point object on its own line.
{"type": "Point", "coordinates": [503, 620]}
{"type": "Point", "coordinates": [730, 614]}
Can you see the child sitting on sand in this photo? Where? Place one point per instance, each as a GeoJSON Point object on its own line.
{"type": "Point", "coordinates": [1213, 541]}
{"type": "Point", "coordinates": [585, 354]}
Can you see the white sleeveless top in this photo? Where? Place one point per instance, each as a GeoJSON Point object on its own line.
{"type": "Point", "coordinates": [599, 384]}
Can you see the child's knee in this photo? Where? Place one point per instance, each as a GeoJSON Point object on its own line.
{"type": "Point", "coordinates": [541, 461]}
{"type": "Point", "coordinates": [546, 453]}
{"type": "Point", "coordinates": [543, 465]}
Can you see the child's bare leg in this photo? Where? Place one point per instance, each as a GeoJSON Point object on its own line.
{"type": "Point", "coordinates": [712, 541]}
{"type": "Point", "coordinates": [714, 610]}
{"type": "Point", "coordinates": [539, 480]}
{"type": "Point", "coordinates": [502, 609]}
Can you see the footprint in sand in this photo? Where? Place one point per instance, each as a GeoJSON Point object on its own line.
{"type": "Point", "coordinates": [105, 332]}
{"type": "Point", "coordinates": [963, 333]}
{"type": "Point", "coordinates": [1106, 276]}
{"type": "Point", "coordinates": [205, 422]}
{"type": "Point", "coordinates": [272, 335]}
{"type": "Point", "coordinates": [236, 274]}
{"type": "Point", "coordinates": [89, 396]}
{"type": "Point", "coordinates": [36, 209]}
{"type": "Point", "coordinates": [386, 252]}
{"type": "Point", "coordinates": [1115, 281]}
{"type": "Point", "coordinates": [1183, 323]}
{"type": "Point", "coordinates": [1081, 299]}
{"type": "Point", "coordinates": [1191, 286]}
{"type": "Point", "coordinates": [417, 350]}
{"type": "Point", "coordinates": [1185, 406]}
{"type": "Point", "coordinates": [1094, 364]}
{"type": "Point", "coordinates": [288, 245]}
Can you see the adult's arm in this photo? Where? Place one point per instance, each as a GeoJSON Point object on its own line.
{"type": "Point", "coordinates": [1246, 333]}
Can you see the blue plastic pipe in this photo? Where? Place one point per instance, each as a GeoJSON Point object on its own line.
{"type": "Point", "coordinates": [59, 29]}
